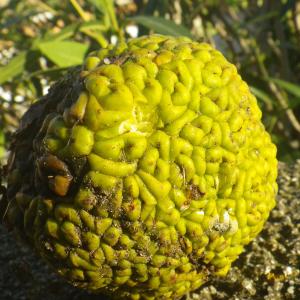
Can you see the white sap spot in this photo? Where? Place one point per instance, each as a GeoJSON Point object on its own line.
{"type": "Point", "coordinates": [46, 89]}
{"type": "Point", "coordinates": [114, 39]}
{"type": "Point", "coordinates": [226, 217]}
{"type": "Point", "coordinates": [132, 30]}
{"type": "Point", "coordinates": [234, 226]}
{"type": "Point", "coordinates": [106, 61]}
{"type": "Point", "coordinates": [200, 212]}
{"type": "Point", "coordinates": [133, 128]}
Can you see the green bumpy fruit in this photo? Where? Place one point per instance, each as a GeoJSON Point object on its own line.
{"type": "Point", "coordinates": [145, 172]}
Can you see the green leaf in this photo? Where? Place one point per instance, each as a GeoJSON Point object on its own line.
{"type": "Point", "coordinates": [161, 25]}
{"type": "Point", "coordinates": [99, 5]}
{"type": "Point", "coordinates": [96, 35]}
{"type": "Point", "coordinates": [64, 53]}
{"type": "Point", "coordinates": [66, 32]}
{"type": "Point", "coordinates": [94, 25]}
{"type": "Point", "coordinates": [261, 95]}
{"type": "Point", "coordinates": [15, 67]}
{"type": "Point", "coordinates": [109, 4]}
{"type": "Point", "coordinates": [292, 88]}
{"type": "Point", "coordinates": [294, 102]}
{"type": "Point", "coordinates": [107, 9]}
{"type": "Point", "coordinates": [270, 122]}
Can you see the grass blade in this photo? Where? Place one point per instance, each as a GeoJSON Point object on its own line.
{"type": "Point", "coordinates": [287, 86]}
{"type": "Point", "coordinates": [161, 25]}
{"type": "Point", "coordinates": [262, 95]}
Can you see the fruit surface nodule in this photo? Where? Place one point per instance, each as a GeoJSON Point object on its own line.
{"type": "Point", "coordinates": [144, 172]}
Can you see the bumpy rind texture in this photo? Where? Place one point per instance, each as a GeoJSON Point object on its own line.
{"type": "Point", "coordinates": [144, 172]}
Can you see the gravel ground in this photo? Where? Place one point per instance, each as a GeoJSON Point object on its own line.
{"type": "Point", "coordinates": [268, 269]}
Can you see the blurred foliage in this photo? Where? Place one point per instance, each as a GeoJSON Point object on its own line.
{"type": "Point", "coordinates": [39, 40]}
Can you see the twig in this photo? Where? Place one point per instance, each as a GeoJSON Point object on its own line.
{"type": "Point", "coordinates": [96, 36]}
{"type": "Point", "coordinates": [284, 57]}
{"type": "Point", "coordinates": [274, 89]}
{"type": "Point", "coordinates": [296, 20]}
{"type": "Point", "coordinates": [79, 10]}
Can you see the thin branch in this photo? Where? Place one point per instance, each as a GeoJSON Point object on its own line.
{"type": "Point", "coordinates": [274, 89]}
{"type": "Point", "coordinates": [83, 15]}
{"type": "Point", "coordinates": [284, 57]}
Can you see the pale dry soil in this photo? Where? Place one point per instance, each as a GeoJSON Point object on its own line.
{"type": "Point", "coordinates": [268, 269]}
